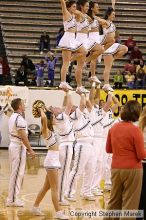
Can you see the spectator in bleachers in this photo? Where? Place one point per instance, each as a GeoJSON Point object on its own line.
{"type": "Point", "coordinates": [140, 79]}
{"type": "Point", "coordinates": [51, 63]}
{"type": "Point", "coordinates": [130, 43]}
{"type": "Point", "coordinates": [136, 55]}
{"type": "Point", "coordinates": [40, 73]}
{"type": "Point", "coordinates": [131, 67]}
{"type": "Point", "coordinates": [141, 66]}
{"type": "Point", "coordinates": [5, 77]}
{"type": "Point", "coordinates": [21, 76]}
{"type": "Point", "coordinates": [29, 67]}
{"type": "Point", "coordinates": [130, 79]}
{"type": "Point", "coordinates": [59, 35]}
{"type": "Point", "coordinates": [118, 80]}
{"type": "Point", "coordinates": [44, 42]}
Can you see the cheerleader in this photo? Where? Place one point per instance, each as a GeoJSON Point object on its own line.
{"type": "Point", "coordinates": [70, 45]}
{"type": "Point", "coordinates": [51, 162]}
{"type": "Point", "coordinates": [83, 153]}
{"type": "Point", "coordinates": [94, 32]}
{"type": "Point", "coordinates": [83, 28]}
{"type": "Point", "coordinates": [64, 129]}
{"type": "Point", "coordinates": [114, 52]}
{"type": "Point", "coordinates": [97, 116]}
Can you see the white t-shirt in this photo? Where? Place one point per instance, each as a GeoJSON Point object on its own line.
{"type": "Point", "coordinates": [107, 122]}
{"type": "Point", "coordinates": [17, 122]}
{"type": "Point", "coordinates": [82, 125]}
{"type": "Point", "coordinates": [64, 128]}
{"type": "Point", "coordinates": [97, 116]}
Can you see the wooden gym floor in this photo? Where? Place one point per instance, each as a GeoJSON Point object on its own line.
{"type": "Point", "coordinates": [33, 180]}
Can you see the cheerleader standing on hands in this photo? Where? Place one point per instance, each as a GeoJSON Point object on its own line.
{"type": "Point", "coordinates": [51, 163]}
{"type": "Point", "coordinates": [83, 28]}
{"type": "Point", "coordinates": [94, 32]}
{"type": "Point", "coordinates": [69, 44]}
{"type": "Point", "coordinates": [114, 52]}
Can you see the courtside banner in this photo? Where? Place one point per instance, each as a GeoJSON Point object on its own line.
{"type": "Point", "coordinates": [8, 93]}
{"type": "Point", "coordinates": [125, 95]}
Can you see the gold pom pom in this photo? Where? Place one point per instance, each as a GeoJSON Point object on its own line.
{"type": "Point", "coordinates": [36, 108]}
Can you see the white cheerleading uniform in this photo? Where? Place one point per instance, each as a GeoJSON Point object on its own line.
{"type": "Point", "coordinates": [83, 38]}
{"type": "Point", "coordinates": [69, 41]}
{"type": "Point", "coordinates": [97, 116]}
{"type": "Point", "coordinates": [107, 124]}
{"type": "Point", "coordinates": [114, 48]}
{"type": "Point", "coordinates": [52, 159]}
{"type": "Point", "coordinates": [17, 155]}
{"type": "Point", "coordinates": [95, 35]}
{"type": "Point", "coordinates": [83, 154]}
{"type": "Point", "coordinates": [66, 138]}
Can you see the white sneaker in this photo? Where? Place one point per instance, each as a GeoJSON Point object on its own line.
{"type": "Point", "coordinates": [107, 87]}
{"type": "Point", "coordinates": [37, 211]}
{"type": "Point", "coordinates": [61, 215]}
{"type": "Point", "coordinates": [19, 203]}
{"type": "Point", "coordinates": [71, 199]}
{"type": "Point", "coordinates": [65, 86]}
{"type": "Point", "coordinates": [41, 52]}
{"type": "Point", "coordinates": [81, 90]}
{"type": "Point", "coordinates": [97, 192]}
{"type": "Point", "coordinates": [64, 203]}
{"type": "Point", "coordinates": [94, 79]}
{"type": "Point", "coordinates": [89, 197]}
{"type": "Point", "coordinates": [9, 204]}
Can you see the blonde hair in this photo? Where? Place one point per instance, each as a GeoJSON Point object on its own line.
{"type": "Point", "coordinates": [142, 119]}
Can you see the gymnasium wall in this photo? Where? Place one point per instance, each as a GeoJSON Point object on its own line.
{"type": "Point", "coordinates": [55, 98]}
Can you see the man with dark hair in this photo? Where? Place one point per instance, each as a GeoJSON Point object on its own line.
{"type": "Point", "coordinates": [17, 151]}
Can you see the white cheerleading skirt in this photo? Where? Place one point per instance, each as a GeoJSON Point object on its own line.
{"type": "Point", "coordinates": [96, 37]}
{"type": "Point", "coordinates": [86, 41]}
{"type": "Point", "coordinates": [69, 42]}
{"type": "Point", "coordinates": [113, 49]}
{"type": "Point", "coordinates": [52, 160]}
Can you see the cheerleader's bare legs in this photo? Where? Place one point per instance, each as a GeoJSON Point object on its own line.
{"type": "Point", "coordinates": [108, 62]}
{"type": "Point", "coordinates": [94, 61]}
{"type": "Point", "coordinates": [121, 51]}
{"type": "Point", "coordinates": [66, 57]}
{"type": "Point", "coordinates": [113, 4]}
{"type": "Point", "coordinates": [51, 182]}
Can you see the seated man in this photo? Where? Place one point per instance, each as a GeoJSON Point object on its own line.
{"type": "Point", "coordinates": [136, 55]}
{"type": "Point", "coordinates": [21, 76]}
{"type": "Point", "coordinates": [130, 43]}
{"type": "Point", "coordinates": [140, 79]}
{"type": "Point", "coordinates": [44, 42]}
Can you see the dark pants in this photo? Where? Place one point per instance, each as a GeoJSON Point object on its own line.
{"type": "Point", "coordinates": [142, 204]}
{"type": "Point", "coordinates": [51, 77]}
{"type": "Point", "coordinates": [1, 79]}
{"type": "Point", "coordinates": [44, 45]}
{"type": "Point", "coordinates": [118, 85]}
{"type": "Point", "coordinates": [21, 79]}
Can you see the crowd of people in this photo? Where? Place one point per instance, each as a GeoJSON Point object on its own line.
{"type": "Point", "coordinates": [133, 76]}
{"type": "Point", "coordinates": [89, 135]}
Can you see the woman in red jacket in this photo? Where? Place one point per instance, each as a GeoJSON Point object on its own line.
{"type": "Point", "coordinates": [125, 140]}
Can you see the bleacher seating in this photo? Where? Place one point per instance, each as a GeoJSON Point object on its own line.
{"type": "Point", "coordinates": [22, 23]}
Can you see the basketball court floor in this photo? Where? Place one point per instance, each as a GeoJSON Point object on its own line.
{"type": "Point", "coordinates": [33, 180]}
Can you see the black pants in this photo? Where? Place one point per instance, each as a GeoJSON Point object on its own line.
{"type": "Point", "coordinates": [142, 205]}
{"type": "Point", "coordinates": [118, 85]}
